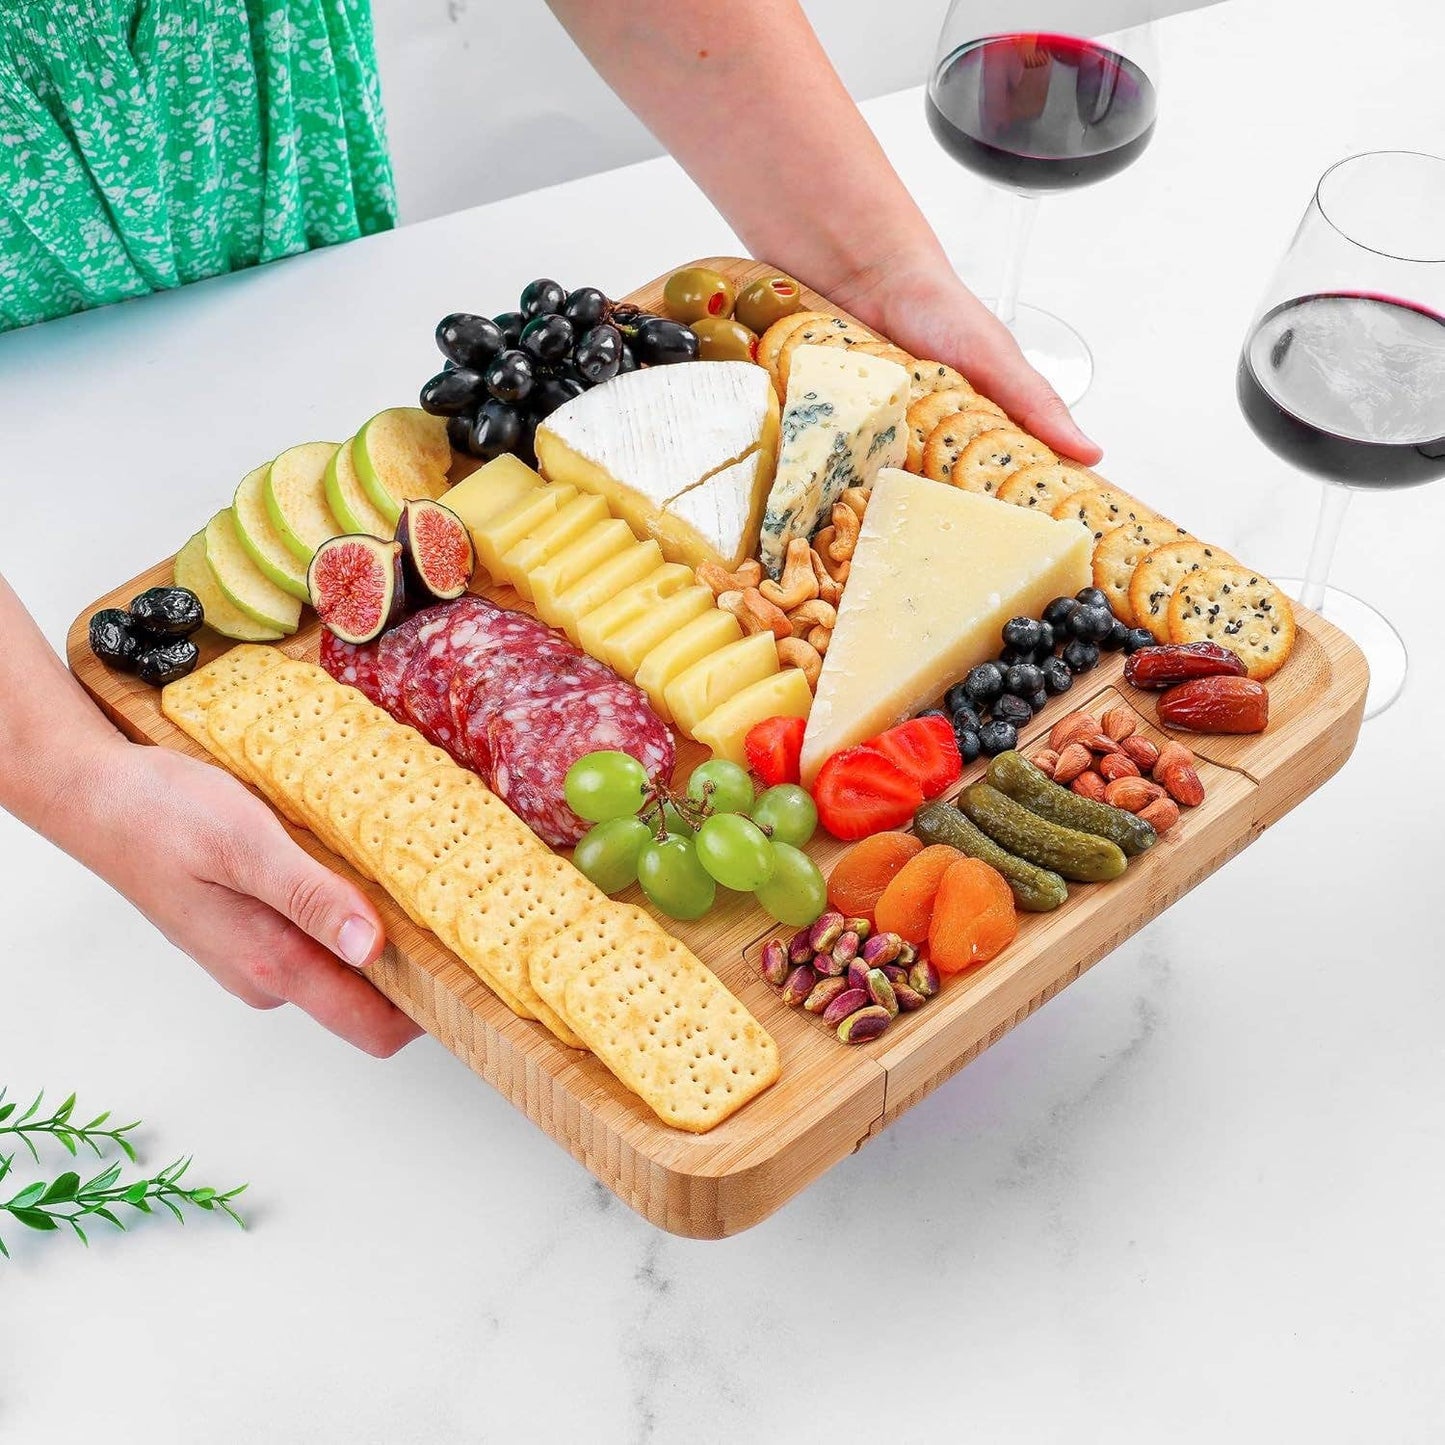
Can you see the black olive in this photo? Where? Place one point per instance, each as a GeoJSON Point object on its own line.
{"type": "Point", "coordinates": [585, 307]}
{"type": "Point", "coordinates": [510, 377]}
{"type": "Point", "coordinates": [496, 429]}
{"type": "Point", "coordinates": [661, 342]}
{"type": "Point", "coordinates": [451, 393]}
{"type": "Point", "coordinates": [542, 297]}
{"type": "Point", "coordinates": [113, 639]}
{"type": "Point", "coordinates": [599, 353]}
{"type": "Point", "coordinates": [548, 338]}
{"type": "Point", "coordinates": [167, 612]}
{"type": "Point", "coordinates": [168, 661]}
{"type": "Point", "coordinates": [470, 341]}
{"type": "Point", "coordinates": [510, 324]}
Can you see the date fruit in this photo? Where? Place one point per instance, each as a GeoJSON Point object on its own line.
{"type": "Point", "coordinates": [1156, 668]}
{"type": "Point", "coordinates": [1216, 705]}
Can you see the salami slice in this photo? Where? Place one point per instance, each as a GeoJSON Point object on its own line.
{"type": "Point", "coordinates": [352, 663]}
{"type": "Point", "coordinates": [535, 739]}
{"type": "Point", "coordinates": [394, 652]}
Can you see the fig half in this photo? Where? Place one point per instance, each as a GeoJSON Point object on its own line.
{"type": "Point", "coordinates": [436, 551]}
{"type": "Point", "coordinates": [357, 586]}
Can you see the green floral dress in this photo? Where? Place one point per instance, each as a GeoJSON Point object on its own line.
{"type": "Point", "coordinates": [147, 143]}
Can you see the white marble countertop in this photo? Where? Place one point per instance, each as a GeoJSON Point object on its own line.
{"type": "Point", "coordinates": [1197, 1197]}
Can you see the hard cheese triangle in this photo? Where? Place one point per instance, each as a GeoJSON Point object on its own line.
{"type": "Point", "coordinates": [684, 454]}
{"type": "Point", "coordinates": [936, 574]}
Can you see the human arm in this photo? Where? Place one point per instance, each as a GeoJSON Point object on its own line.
{"type": "Point", "coordinates": [745, 98]}
{"type": "Point", "coordinates": [204, 860]}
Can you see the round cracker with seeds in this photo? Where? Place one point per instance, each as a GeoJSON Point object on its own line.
{"type": "Point", "coordinates": [1101, 509]}
{"type": "Point", "coordinates": [771, 341]}
{"type": "Point", "coordinates": [1120, 551]}
{"type": "Point", "coordinates": [1239, 609]}
{"type": "Point", "coordinates": [832, 331]}
{"type": "Point", "coordinates": [947, 440]}
{"type": "Point", "coordinates": [1159, 573]}
{"type": "Point", "coordinates": [1045, 484]}
{"type": "Point", "coordinates": [992, 457]}
{"type": "Point", "coordinates": [887, 351]}
{"type": "Point", "coordinates": [930, 376]}
{"type": "Point", "coordinates": [926, 413]}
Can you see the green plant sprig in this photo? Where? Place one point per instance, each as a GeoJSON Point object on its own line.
{"type": "Point", "coordinates": [61, 1126]}
{"type": "Point", "coordinates": [46, 1205]}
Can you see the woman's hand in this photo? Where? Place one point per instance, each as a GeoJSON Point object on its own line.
{"type": "Point", "coordinates": [211, 866]}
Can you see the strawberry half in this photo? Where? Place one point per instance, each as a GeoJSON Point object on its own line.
{"type": "Point", "coordinates": [774, 748]}
{"type": "Point", "coordinates": [926, 749]}
{"type": "Point", "coordinates": [860, 791]}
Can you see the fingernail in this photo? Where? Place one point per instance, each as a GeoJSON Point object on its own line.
{"type": "Point", "coordinates": [355, 941]}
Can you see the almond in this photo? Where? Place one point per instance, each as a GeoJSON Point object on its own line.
{"type": "Point", "coordinates": [1144, 752]}
{"type": "Point", "coordinates": [1069, 727]}
{"type": "Point", "coordinates": [1045, 760]}
{"type": "Point", "coordinates": [1161, 815]}
{"type": "Point", "coordinates": [1182, 784]}
{"type": "Point", "coordinates": [1132, 794]}
{"type": "Point", "coordinates": [1098, 742]}
{"type": "Point", "coordinates": [1172, 754]}
{"type": "Point", "coordinates": [1089, 785]}
{"type": "Point", "coordinates": [1119, 722]}
{"type": "Point", "coordinates": [1074, 760]}
{"type": "Point", "coordinates": [1117, 765]}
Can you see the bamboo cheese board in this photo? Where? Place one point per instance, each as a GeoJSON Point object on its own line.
{"type": "Point", "coordinates": [830, 1098]}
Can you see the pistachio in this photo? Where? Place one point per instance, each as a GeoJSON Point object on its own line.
{"type": "Point", "coordinates": [798, 985]}
{"type": "Point", "coordinates": [907, 953]}
{"type": "Point", "coordinates": [826, 932]}
{"type": "Point", "coordinates": [881, 948]}
{"type": "Point", "coordinates": [923, 978]}
{"type": "Point", "coordinates": [845, 1003]}
{"type": "Point", "coordinates": [774, 965]}
{"type": "Point", "coordinates": [828, 966]}
{"type": "Point", "coordinates": [858, 973]}
{"type": "Point", "coordinates": [846, 948]}
{"type": "Point", "coordinates": [908, 998]}
{"type": "Point", "coordinates": [895, 973]}
{"type": "Point", "coordinates": [824, 992]}
{"type": "Point", "coordinates": [800, 950]}
{"type": "Point", "coordinates": [880, 990]}
{"type": "Point", "coordinates": [860, 926]}
{"type": "Point", "coordinates": [864, 1025]}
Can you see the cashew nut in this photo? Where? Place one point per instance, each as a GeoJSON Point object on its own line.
{"type": "Point", "coordinates": [819, 638]}
{"type": "Point", "coordinates": [720, 580]}
{"type": "Point", "coordinates": [799, 585]}
{"type": "Point", "coordinates": [856, 500]}
{"type": "Point", "coordinates": [830, 590]}
{"type": "Point", "coordinates": [766, 616]}
{"type": "Point", "coordinates": [794, 652]}
{"type": "Point", "coordinates": [816, 613]}
{"type": "Point", "coordinates": [847, 526]}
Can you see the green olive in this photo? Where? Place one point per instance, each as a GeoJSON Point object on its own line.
{"type": "Point", "coordinates": [696, 292]}
{"type": "Point", "coordinates": [767, 300]}
{"type": "Point", "coordinates": [722, 339]}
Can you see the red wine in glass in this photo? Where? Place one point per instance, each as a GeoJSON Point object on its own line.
{"type": "Point", "coordinates": [1349, 386]}
{"type": "Point", "coordinates": [1041, 112]}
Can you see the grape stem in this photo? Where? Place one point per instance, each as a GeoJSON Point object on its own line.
{"type": "Point", "coordinates": [693, 811]}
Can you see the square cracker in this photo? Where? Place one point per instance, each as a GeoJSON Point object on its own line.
{"type": "Point", "coordinates": [554, 958]}
{"type": "Point", "coordinates": [446, 893]}
{"type": "Point", "coordinates": [297, 717]}
{"type": "Point", "coordinates": [664, 1024]}
{"type": "Point", "coordinates": [187, 701]}
{"type": "Point", "coordinates": [232, 715]}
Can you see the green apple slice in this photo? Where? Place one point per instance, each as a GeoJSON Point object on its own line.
{"type": "Point", "coordinates": [295, 493]}
{"type": "Point", "coordinates": [347, 497]}
{"type": "Point", "coordinates": [263, 543]}
{"type": "Point", "coordinates": [402, 455]}
{"type": "Point", "coordinates": [245, 586]}
{"type": "Point", "coordinates": [194, 573]}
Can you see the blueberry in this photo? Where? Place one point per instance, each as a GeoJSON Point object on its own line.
{"type": "Point", "coordinates": [1139, 637]}
{"type": "Point", "coordinates": [965, 718]}
{"type": "Point", "coordinates": [1092, 597]}
{"type": "Point", "coordinates": [956, 697]}
{"type": "Point", "coordinates": [998, 737]}
{"type": "Point", "coordinates": [1023, 679]}
{"type": "Point", "coordinates": [1081, 656]}
{"type": "Point", "coordinates": [1038, 701]}
{"type": "Point", "coordinates": [1023, 633]}
{"type": "Point", "coordinates": [969, 744]}
{"type": "Point", "coordinates": [1057, 676]}
{"type": "Point", "coordinates": [1118, 638]}
{"type": "Point", "coordinates": [1046, 639]}
{"type": "Point", "coordinates": [1091, 623]}
{"type": "Point", "coordinates": [984, 683]}
{"type": "Point", "coordinates": [1057, 613]}
{"type": "Point", "coordinates": [1012, 656]}
{"type": "Point", "coordinates": [935, 712]}
{"type": "Point", "coordinates": [1012, 709]}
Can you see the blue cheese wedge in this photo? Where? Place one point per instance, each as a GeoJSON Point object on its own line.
{"type": "Point", "coordinates": [684, 454]}
{"type": "Point", "coordinates": [843, 422]}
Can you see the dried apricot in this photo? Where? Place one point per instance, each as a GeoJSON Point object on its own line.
{"type": "Point", "coordinates": [907, 903]}
{"type": "Point", "coordinates": [973, 917]}
{"type": "Point", "coordinates": [866, 869]}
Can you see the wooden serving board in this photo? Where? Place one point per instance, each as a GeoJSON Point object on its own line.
{"type": "Point", "coordinates": [830, 1098]}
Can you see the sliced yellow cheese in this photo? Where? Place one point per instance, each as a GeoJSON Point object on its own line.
{"type": "Point", "coordinates": [678, 650]}
{"type": "Point", "coordinates": [561, 529]}
{"type": "Point", "coordinates": [573, 563]}
{"type": "Point", "coordinates": [703, 688]}
{"type": "Point", "coordinates": [495, 537]}
{"type": "Point", "coordinates": [632, 642]}
{"type": "Point", "coordinates": [725, 730]}
{"type": "Point", "coordinates": [936, 573]}
{"type": "Point", "coordinates": [491, 489]}
{"type": "Point", "coordinates": [619, 612]}
{"type": "Point", "coordinates": [603, 583]}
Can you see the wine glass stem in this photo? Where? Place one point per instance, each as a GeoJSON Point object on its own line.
{"type": "Point", "coordinates": [1023, 211]}
{"type": "Point", "coordinates": [1333, 506]}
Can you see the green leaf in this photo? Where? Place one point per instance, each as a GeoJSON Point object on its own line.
{"type": "Point", "coordinates": [75, 1225]}
{"type": "Point", "coordinates": [31, 1110]}
{"type": "Point", "coordinates": [3, 1251]}
{"type": "Point", "coordinates": [106, 1215]}
{"type": "Point", "coordinates": [125, 1144]}
{"type": "Point", "coordinates": [6, 1110]}
{"type": "Point", "coordinates": [63, 1112]}
{"type": "Point", "coordinates": [34, 1219]}
{"type": "Point", "coordinates": [202, 1196]}
{"type": "Point", "coordinates": [136, 1193]}
{"type": "Point", "coordinates": [67, 1141]}
{"type": "Point", "coordinates": [103, 1180]}
{"type": "Point", "coordinates": [173, 1209]}
{"type": "Point", "coordinates": [31, 1194]}
{"type": "Point", "coordinates": [63, 1189]}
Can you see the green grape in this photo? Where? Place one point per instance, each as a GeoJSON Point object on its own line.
{"type": "Point", "coordinates": [732, 788]}
{"type": "Point", "coordinates": [789, 812]}
{"type": "Point", "coordinates": [603, 786]}
{"type": "Point", "coordinates": [674, 822]}
{"type": "Point", "coordinates": [673, 879]}
{"type": "Point", "coordinates": [608, 853]}
{"type": "Point", "coordinates": [735, 851]}
{"type": "Point", "coordinates": [796, 893]}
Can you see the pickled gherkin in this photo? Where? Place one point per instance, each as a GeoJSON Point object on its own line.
{"type": "Point", "coordinates": [1012, 773]}
{"type": "Point", "coordinates": [1035, 890]}
{"type": "Point", "coordinates": [1073, 854]}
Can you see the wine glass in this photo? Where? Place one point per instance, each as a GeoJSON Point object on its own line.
{"type": "Point", "coordinates": [1038, 111]}
{"type": "Point", "coordinates": [1343, 369]}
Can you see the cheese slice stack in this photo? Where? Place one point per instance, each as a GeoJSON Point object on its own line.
{"type": "Point", "coordinates": [845, 420]}
{"type": "Point", "coordinates": [936, 574]}
{"type": "Point", "coordinates": [683, 453]}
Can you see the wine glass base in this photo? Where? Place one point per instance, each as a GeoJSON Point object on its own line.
{"type": "Point", "coordinates": [1054, 349]}
{"type": "Point", "coordinates": [1374, 634]}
